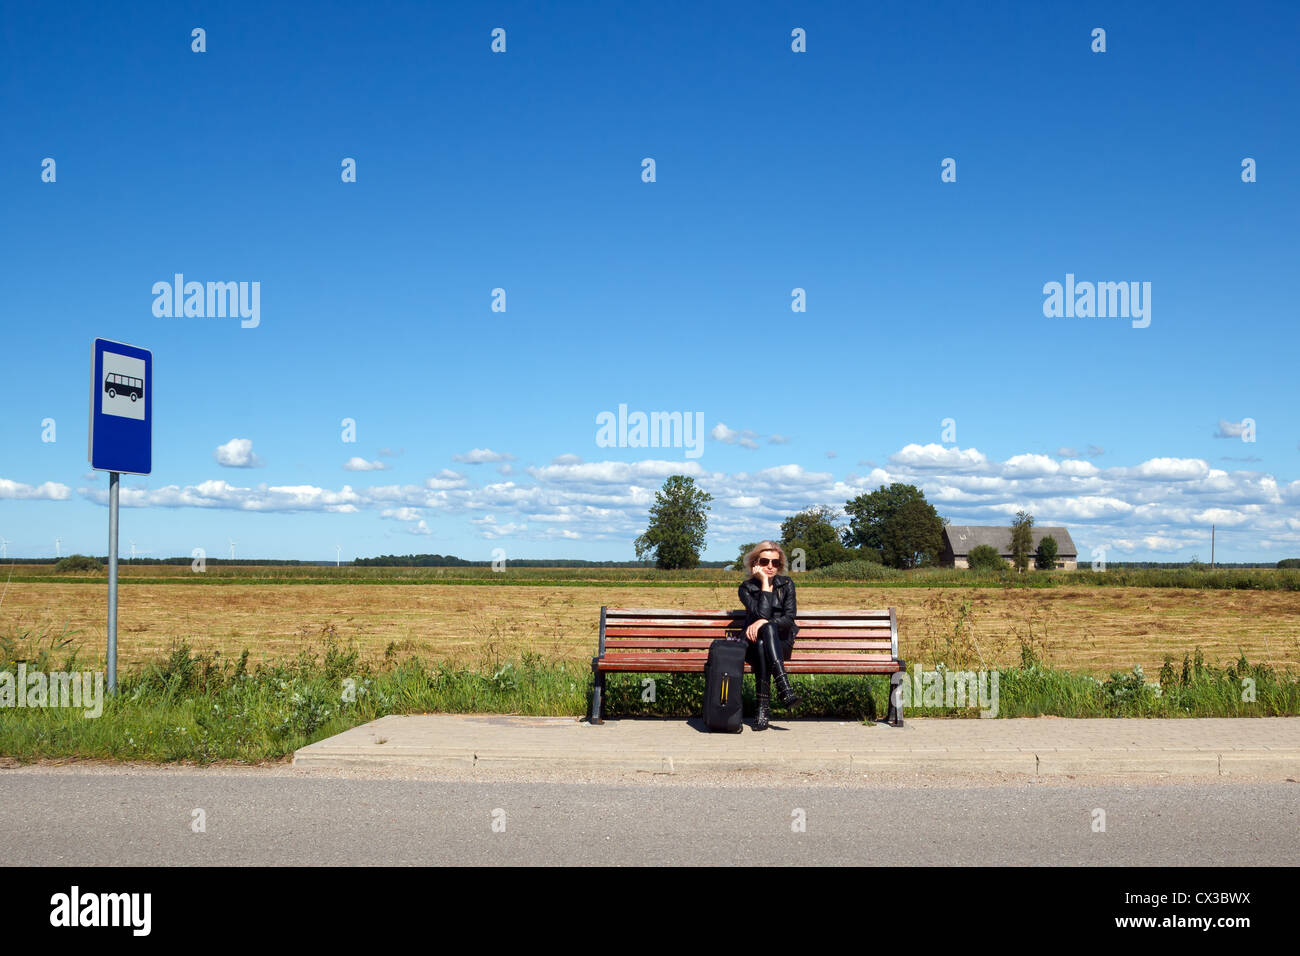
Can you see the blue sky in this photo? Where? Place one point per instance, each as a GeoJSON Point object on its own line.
{"type": "Point", "coordinates": [775, 170]}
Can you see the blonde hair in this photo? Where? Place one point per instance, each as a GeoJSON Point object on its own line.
{"type": "Point", "coordinates": [752, 555]}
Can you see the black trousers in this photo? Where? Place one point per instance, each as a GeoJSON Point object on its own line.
{"type": "Point", "coordinates": [765, 655]}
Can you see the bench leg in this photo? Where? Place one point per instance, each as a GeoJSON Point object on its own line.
{"type": "Point", "coordinates": [895, 714]}
{"type": "Point", "coordinates": [597, 693]}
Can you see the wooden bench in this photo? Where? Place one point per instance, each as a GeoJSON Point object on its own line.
{"type": "Point", "coordinates": [654, 640]}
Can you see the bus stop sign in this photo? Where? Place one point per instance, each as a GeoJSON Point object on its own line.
{"type": "Point", "coordinates": [121, 408]}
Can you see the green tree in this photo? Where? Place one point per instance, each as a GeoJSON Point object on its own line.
{"type": "Point", "coordinates": [678, 524]}
{"type": "Point", "coordinates": [985, 557]}
{"type": "Point", "coordinates": [898, 522]}
{"type": "Point", "coordinates": [1047, 551]}
{"type": "Point", "coordinates": [77, 562]}
{"type": "Point", "coordinates": [813, 530]}
{"type": "Point", "coordinates": [912, 536]}
{"type": "Point", "coordinates": [740, 558]}
{"type": "Point", "coordinates": [1022, 539]}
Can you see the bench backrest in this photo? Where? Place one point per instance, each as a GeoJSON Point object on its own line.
{"type": "Point", "coordinates": [640, 630]}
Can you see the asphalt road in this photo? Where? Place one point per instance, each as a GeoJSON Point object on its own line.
{"type": "Point", "coordinates": [86, 818]}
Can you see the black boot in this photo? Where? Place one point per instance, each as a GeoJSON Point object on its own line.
{"type": "Point", "coordinates": [764, 713]}
{"type": "Point", "coordinates": [784, 692]}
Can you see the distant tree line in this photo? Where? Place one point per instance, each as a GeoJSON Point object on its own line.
{"type": "Point", "coordinates": [451, 561]}
{"type": "Point", "coordinates": [893, 525]}
{"type": "Point", "coordinates": [126, 559]}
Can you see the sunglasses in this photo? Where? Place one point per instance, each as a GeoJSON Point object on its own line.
{"type": "Point", "coordinates": [768, 562]}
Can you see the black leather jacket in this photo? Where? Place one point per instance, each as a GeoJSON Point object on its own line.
{"type": "Point", "coordinates": [777, 605]}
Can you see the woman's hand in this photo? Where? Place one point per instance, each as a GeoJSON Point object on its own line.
{"type": "Point", "coordinates": [751, 632]}
{"type": "Point", "coordinates": [764, 576]}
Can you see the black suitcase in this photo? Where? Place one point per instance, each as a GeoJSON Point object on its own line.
{"type": "Point", "coordinates": [722, 682]}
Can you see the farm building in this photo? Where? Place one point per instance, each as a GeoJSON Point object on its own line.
{"type": "Point", "coordinates": [959, 539]}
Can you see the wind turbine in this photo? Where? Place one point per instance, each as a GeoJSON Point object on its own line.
{"type": "Point", "coordinates": [233, 542]}
{"type": "Point", "coordinates": [132, 552]}
{"type": "Point", "coordinates": [338, 556]}
{"type": "Point", "coordinates": [57, 543]}
{"type": "Point", "coordinates": [4, 548]}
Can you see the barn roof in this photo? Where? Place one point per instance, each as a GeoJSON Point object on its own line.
{"type": "Point", "coordinates": [962, 537]}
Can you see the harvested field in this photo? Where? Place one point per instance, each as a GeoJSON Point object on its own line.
{"type": "Point", "coordinates": [1089, 629]}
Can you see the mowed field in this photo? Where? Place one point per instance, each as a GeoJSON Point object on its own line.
{"type": "Point", "coordinates": [1093, 630]}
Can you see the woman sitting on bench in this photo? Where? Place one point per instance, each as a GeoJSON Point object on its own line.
{"type": "Point", "coordinates": [768, 597]}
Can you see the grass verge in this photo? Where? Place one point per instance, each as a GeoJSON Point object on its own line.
{"type": "Point", "coordinates": [199, 708]}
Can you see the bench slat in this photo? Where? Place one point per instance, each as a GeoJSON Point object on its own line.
{"type": "Point", "coordinates": [723, 623]}
{"type": "Point", "coordinates": [672, 622]}
{"type": "Point", "coordinates": [887, 666]}
{"type": "Point", "coordinates": [618, 643]}
{"type": "Point", "coordinates": [677, 612]}
{"type": "Point", "coordinates": [698, 657]}
{"type": "Point", "coordinates": [805, 634]}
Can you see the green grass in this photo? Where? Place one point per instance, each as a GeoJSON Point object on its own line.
{"type": "Point", "coordinates": [196, 707]}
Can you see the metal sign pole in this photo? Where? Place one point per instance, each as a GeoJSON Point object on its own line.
{"type": "Point", "coordinates": [121, 443]}
{"type": "Point", "coordinates": [112, 582]}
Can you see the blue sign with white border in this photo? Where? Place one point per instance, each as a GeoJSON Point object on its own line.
{"type": "Point", "coordinates": [121, 408]}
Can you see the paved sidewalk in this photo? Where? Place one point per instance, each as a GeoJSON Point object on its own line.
{"type": "Point", "coordinates": [1028, 746]}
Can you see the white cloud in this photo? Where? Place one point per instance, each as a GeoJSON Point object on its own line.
{"type": "Point", "coordinates": [237, 453]}
{"type": "Point", "coordinates": [1079, 469]}
{"type": "Point", "coordinates": [489, 528]}
{"type": "Point", "coordinates": [1230, 429]}
{"type": "Point", "coordinates": [360, 464]}
{"type": "Point", "coordinates": [446, 479]}
{"type": "Point", "coordinates": [1029, 466]}
{"type": "Point", "coordinates": [602, 472]}
{"type": "Point", "coordinates": [729, 436]}
{"type": "Point", "coordinates": [1092, 451]}
{"type": "Point", "coordinates": [938, 456]}
{"type": "Point", "coordinates": [477, 456]}
{"type": "Point", "coordinates": [1171, 469]}
{"type": "Point", "coordinates": [1224, 516]}
{"type": "Point", "coordinates": [47, 491]}
{"type": "Point", "coordinates": [218, 493]}
{"type": "Point", "coordinates": [1161, 505]}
